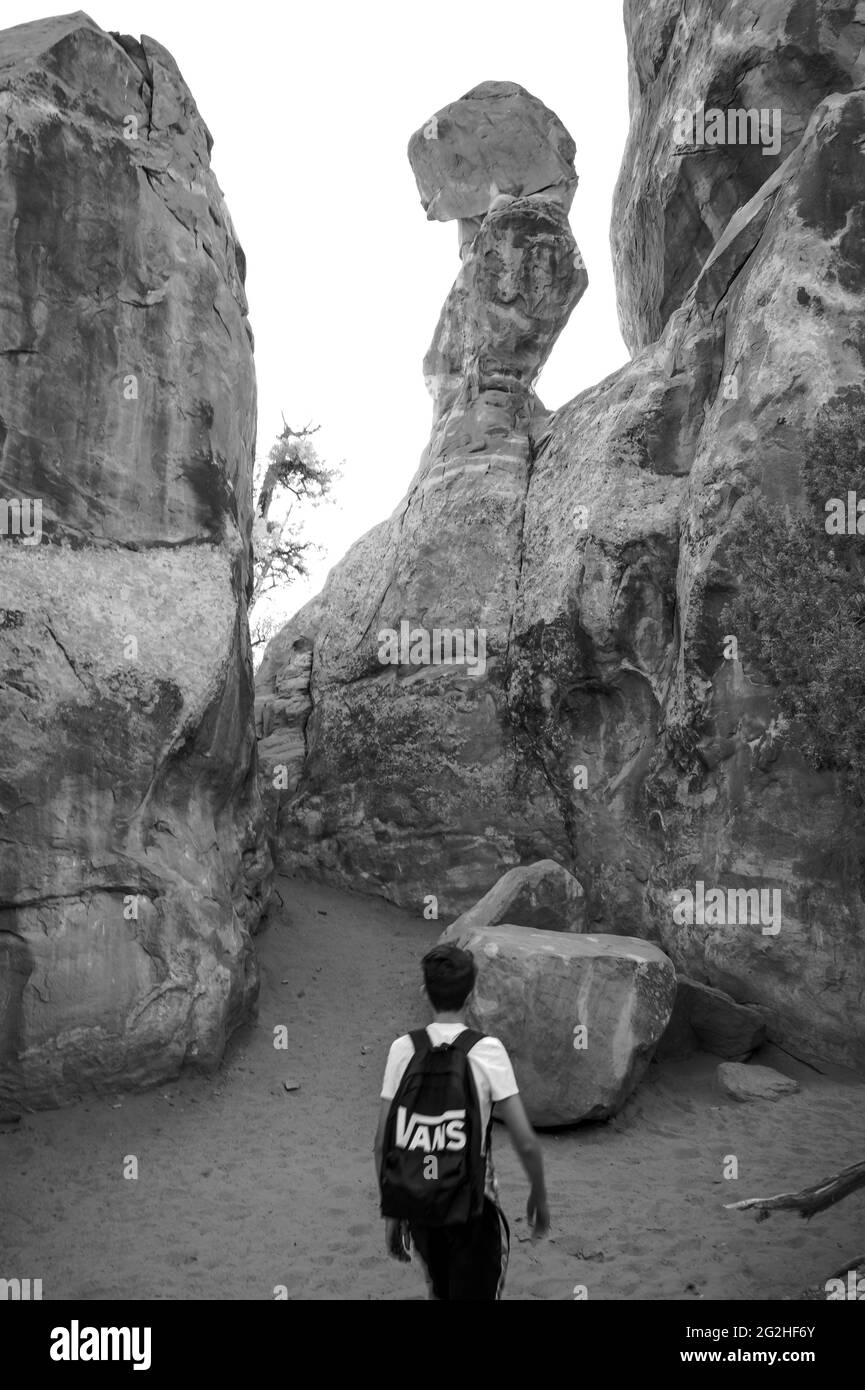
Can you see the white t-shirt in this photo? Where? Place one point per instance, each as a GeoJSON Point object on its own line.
{"type": "Point", "coordinates": [491, 1068]}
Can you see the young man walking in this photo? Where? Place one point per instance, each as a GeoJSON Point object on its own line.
{"type": "Point", "coordinates": [466, 1260]}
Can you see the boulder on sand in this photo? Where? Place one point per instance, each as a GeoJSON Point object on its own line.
{"type": "Point", "coordinates": [708, 1020]}
{"type": "Point", "coordinates": [740, 1082]}
{"type": "Point", "coordinates": [542, 895]}
{"type": "Point", "coordinates": [580, 1015]}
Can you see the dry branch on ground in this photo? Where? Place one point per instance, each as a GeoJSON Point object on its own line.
{"type": "Point", "coordinates": [810, 1200]}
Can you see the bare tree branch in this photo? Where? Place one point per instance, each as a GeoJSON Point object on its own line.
{"type": "Point", "coordinates": [857, 1264]}
{"type": "Point", "coordinates": [810, 1200]}
{"type": "Point", "coordinates": [294, 469]}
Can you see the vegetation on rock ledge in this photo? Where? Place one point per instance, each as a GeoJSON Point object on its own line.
{"type": "Point", "coordinates": [799, 613]}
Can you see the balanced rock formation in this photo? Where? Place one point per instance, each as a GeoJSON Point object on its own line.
{"type": "Point", "coordinates": [609, 727]}
{"type": "Point", "coordinates": [132, 864]}
{"type": "Point", "coordinates": [543, 895]}
{"type": "Point", "coordinates": [580, 1016]}
{"type": "Point", "coordinates": [392, 679]}
{"type": "Point", "coordinates": [498, 142]}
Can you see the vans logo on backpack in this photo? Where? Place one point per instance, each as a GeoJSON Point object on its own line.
{"type": "Point", "coordinates": [430, 1132]}
{"type": "Point", "coordinates": [434, 1155]}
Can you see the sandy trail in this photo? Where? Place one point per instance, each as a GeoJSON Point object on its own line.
{"type": "Point", "coordinates": [244, 1187]}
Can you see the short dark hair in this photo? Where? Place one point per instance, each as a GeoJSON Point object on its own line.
{"type": "Point", "coordinates": [449, 974]}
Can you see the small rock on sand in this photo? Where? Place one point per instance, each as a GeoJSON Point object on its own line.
{"type": "Point", "coordinates": [741, 1082]}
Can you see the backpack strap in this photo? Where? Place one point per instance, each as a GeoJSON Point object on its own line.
{"type": "Point", "coordinates": [420, 1039]}
{"type": "Point", "coordinates": [466, 1040]}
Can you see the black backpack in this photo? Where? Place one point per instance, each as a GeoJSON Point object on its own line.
{"type": "Point", "coordinates": [434, 1166]}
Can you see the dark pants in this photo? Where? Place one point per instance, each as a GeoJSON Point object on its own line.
{"type": "Point", "coordinates": [465, 1262]}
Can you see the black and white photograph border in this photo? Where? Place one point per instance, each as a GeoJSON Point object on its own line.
{"type": "Point", "coordinates": [439, 880]}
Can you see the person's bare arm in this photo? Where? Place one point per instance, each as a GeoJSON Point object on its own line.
{"type": "Point", "coordinates": [528, 1150]}
{"type": "Point", "coordinates": [394, 1235]}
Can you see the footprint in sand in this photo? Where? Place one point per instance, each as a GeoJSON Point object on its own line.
{"type": "Point", "coordinates": [177, 1258]}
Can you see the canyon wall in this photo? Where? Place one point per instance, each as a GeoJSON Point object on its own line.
{"type": "Point", "coordinates": [133, 868]}
{"type": "Point", "coordinates": [606, 726]}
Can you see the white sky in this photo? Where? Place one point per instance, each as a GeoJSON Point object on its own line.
{"type": "Point", "coordinates": [311, 108]}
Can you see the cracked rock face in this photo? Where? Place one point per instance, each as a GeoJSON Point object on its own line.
{"type": "Point", "coordinates": [132, 867]}
{"type": "Point", "coordinates": [607, 730]}
{"type": "Point", "coordinates": [676, 193]}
